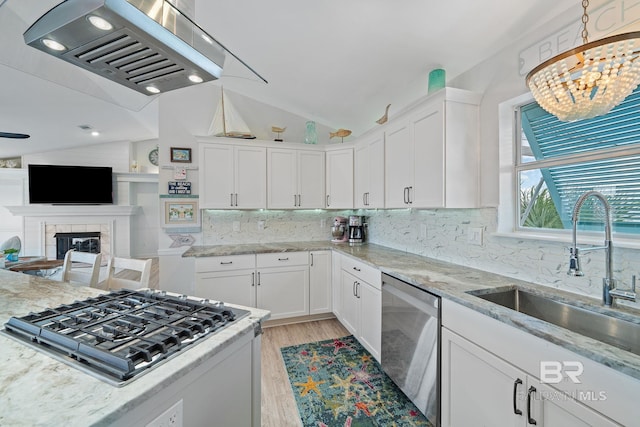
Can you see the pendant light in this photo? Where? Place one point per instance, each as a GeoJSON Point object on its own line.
{"type": "Point", "coordinates": [590, 80]}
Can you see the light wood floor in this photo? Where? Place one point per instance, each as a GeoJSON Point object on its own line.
{"type": "Point", "coordinates": [278, 404]}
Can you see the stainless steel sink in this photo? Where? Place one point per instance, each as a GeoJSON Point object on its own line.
{"type": "Point", "coordinates": [611, 330]}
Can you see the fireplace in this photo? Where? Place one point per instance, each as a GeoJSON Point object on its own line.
{"type": "Point", "coordinates": [79, 241]}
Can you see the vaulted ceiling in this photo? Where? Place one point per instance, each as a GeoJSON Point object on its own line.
{"type": "Point", "coordinates": [333, 61]}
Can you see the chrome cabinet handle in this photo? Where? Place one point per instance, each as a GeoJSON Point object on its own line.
{"type": "Point", "coordinates": [364, 199]}
{"type": "Point", "coordinates": [226, 262]}
{"type": "Point", "coordinates": [231, 196]}
{"type": "Point", "coordinates": [353, 289]}
{"type": "Point", "coordinates": [530, 420]}
{"type": "Point", "coordinates": [253, 279]}
{"type": "Point", "coordinates": [258, 278]}
{"type": "Point", "coordinates": [299, 200]}
{"type": "Point", "coordinates": [409, 194]}
{"type": "Point", "coordinates": [406, 195]}
{"type": "Point", "coordinates": [283, 259]}
{"type": "Point", "coordinates": [358, 290]}
{"type": "Point", "coordinates": [367, 199]}
{"type": "Point", "coordinates": [328, 200]}
{"type": "Point", "coordinates": [516, 383]}
{"type": "Point", "coordinates": [311, 259]}
{"type": "Point", "coordinates": [356, 268]}
{"type": "Point", "coordinates": [236, 204]}
{"type": "Point", "coordinates": [295, 200]}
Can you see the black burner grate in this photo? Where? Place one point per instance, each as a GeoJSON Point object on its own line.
{"type": "Point", "coordinates": [125, 332]}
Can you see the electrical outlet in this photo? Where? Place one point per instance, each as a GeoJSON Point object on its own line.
{"type": "Point", "coordinates": [260, 225]}
{"type": "Point", "coordinates": [172, 417]}
{"type": "Point", "coordinates": [475, 236]}
{"type": "Point", "coordinates": [236, 225]}
{"type": "Point", "coordinates": [323, 223]}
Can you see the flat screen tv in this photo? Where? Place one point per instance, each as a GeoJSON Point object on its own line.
{"type": "Point", "coordinates": [70, 185]}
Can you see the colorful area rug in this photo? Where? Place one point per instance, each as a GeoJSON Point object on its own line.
{"type": "Point", "coordinates": [338, 383]}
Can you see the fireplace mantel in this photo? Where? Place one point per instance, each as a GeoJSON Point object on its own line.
{"type": "Point", "coordinates": [75, 210]}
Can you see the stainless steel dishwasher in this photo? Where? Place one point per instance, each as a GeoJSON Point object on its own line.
{"type": "Point", "coordinates": [411, 343]}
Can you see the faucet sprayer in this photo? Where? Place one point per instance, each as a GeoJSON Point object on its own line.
{"type": "Point", "coordinates": [608, 282]}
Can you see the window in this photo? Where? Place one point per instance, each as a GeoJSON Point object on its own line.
{"type": "Point", "coordinates": [556, 162]}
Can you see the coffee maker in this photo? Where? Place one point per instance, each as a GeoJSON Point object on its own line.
{"type": "Point", "coordinates": [356, 229]}
{"type": "Point", "coordinates": [340, 230]}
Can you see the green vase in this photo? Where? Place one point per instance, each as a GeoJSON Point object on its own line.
{"type": "Point", "coordinates": [310, 135]}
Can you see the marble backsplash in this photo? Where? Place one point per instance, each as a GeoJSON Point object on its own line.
{"type": "Point", "coordinates": [441, 234]}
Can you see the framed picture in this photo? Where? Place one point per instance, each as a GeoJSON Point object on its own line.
{"type": "Point", "coordinates": [181, 213]}
{"type": "Point", "coordinates": [181, 155]}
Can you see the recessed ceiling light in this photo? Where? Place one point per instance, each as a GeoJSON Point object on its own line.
{"type": "Point", "coordinates": [53, 45]}
{"type": "Point", "coordinates": [100, 23]}
{"type": "Point", "coordinates": [95, 133]}
{"type": "Point", "coordinates": [195, 78]}
{"type": "Point", "coordinates": [152, 89]}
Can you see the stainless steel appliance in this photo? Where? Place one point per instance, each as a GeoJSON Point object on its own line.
{"type": "Point", "coordinates": [411, 343]}
{"type": "Point", "coordinates": [122, 334]}
{"type": "Point", "coordinates": [356, 229]}
{"type": "Point", "coordinates": [339, 230]}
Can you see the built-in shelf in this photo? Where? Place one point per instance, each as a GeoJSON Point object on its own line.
{"type": "Point", "coordinates": [73, 210]}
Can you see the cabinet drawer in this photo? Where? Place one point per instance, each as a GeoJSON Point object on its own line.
{"type": "Point", "coordinates": [362, 271]}
{"type": "Point", "coordinates": [282, 259]}
{"type": "Point", "coordinates": [225, 263]}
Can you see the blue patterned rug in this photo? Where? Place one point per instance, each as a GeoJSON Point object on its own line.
{"type": "Point", "coordinates": [338, 383]}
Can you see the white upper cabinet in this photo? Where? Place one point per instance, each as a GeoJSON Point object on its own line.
{"type": "Point", "coordinates": [431, 153]}
{"type": "Point", "coordinates": [295, 179]}
{"type": "Point", "coordinates": [340, 179]}
{"type": "Point", "coordinates": [369, 172]}
{"type": "Point", "coordinates": [232, 177]}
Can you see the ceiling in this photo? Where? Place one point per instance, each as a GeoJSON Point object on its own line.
{"type": "Point", "coordinates": [338, 63]}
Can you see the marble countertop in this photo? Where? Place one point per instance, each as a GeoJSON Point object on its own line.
{"type": "Point", "coordinates": [453, 282]}
{"type": "Point", "coordinates": [32, 383]}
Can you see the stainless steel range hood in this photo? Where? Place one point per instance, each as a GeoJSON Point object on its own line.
{"type": "Point", "coordinates": [146, 45]}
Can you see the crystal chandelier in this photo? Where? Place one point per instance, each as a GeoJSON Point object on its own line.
{"type": "Point", "coordinates": [590, 80]}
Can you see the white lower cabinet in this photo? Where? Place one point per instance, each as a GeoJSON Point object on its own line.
{"type": "Point", "coordinates": [480, 388]}
{"type": "Point", "coordinates": [320, 297]}
{"type": "Point", "coordinates": [287, 283]}
{"type": "Point", "coordinates": [361, 304]}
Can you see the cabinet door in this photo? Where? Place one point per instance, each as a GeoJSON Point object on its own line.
{"type": "Point", "coordinates": [251, 177]}
{"type": "Point", "coordinates": [375, 197]}
{"type": "Point", "coordinates": [370, 318]}
{"type": "Point", "coordinates": [311, 172]}
{"type": "Point", "coordinates": [478, 389]}
{"type": "Point", "coordinates": [216, 174]}
{"type": "Point", "coordinates": [336, 284]}
{"type": "Point", "coordinates": [320, 282]}
{"type": "Point", "coordinates": [361, 173]}
{"type": "Point", "coordinates": [350, 305]}
{"type": "Point", "coordinates": [428, 157]}
{"type": "Point", "coordinates": [340, 179]}
{"type": "Point", "coordinates": [551, 408]}
{"type": "Point", "coordinates": [284, 291]}
{"type": "Point", "coordinates": [398, 165]}
{"type": "Point", "coordinates": [237, 287]}
{"type": "Point", "coordinates": [281, 178]}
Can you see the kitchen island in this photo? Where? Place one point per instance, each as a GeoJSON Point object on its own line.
{"type": "Point", "coordinates": [215, 382]}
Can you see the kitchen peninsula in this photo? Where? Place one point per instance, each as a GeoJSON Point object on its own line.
{"type": "Point", "coordinates": [216, 379]}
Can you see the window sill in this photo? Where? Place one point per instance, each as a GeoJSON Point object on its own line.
{"type": "Point", "coordinates": [565, 238]}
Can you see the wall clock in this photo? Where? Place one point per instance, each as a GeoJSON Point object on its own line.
{"type": "Point", "coordinates": [153, 156]}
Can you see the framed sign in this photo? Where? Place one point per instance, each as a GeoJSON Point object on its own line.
{"type": "Point", "coordinates": [181, 155]}
{"type": "Point", "coordinates": [180, 213]}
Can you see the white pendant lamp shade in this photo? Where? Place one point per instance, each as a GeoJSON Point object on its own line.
{"type": "Point", "coordinates": [590, 80]}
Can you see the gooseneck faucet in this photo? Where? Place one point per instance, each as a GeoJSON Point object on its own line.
{"type": "Point", "coordinates": [609, 291]}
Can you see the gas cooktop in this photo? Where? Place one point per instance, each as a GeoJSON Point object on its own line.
{"type": "Point", "coordinates": [122, 334]}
